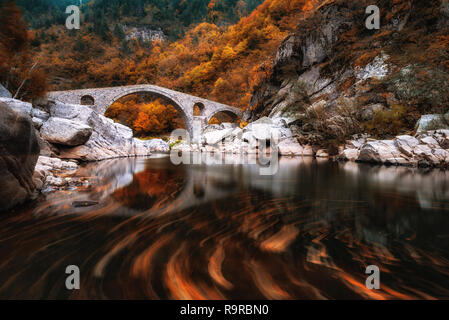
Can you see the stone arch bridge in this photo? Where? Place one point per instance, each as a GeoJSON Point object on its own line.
{"type": "Point", "coordinates": [100, 99]}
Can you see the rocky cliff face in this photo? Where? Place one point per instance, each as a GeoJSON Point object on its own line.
{"type": "Point", "coordinates": [296, 75]}
{"type": "Point", "coordinates": [144, 34]}
{"type": "Point", "coordinates": [19, 151]}
{"type": "Point", "coordinates": [333, 77]}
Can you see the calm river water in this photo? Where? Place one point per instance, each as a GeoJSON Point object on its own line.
{"type": "Point", "coordinates": [160, 231]}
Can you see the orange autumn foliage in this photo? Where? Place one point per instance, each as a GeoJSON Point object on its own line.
{"type": "Point", "coordinates": [154, 118]}
{"type": "Point", "coordinates": [226, 64]}
{"type": "Point", "coordinates": [222, 63]}
{"type": "Point", "coordinates": [146, 118]}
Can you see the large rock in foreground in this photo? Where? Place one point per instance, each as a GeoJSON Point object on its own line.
{"type": "Point", "coordinates": [19, 151]}
{"type": "Point", "coordinates": [65, 132]}
{"type": "Point", "coordinates": [18, 106]}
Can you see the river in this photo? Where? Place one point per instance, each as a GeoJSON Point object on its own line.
{"type": "Point", "coordinates": [160, 231]}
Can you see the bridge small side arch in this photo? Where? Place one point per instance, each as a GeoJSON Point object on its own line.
{"type": "Point", "coordinates": [87, 100]}
{"type": "Point", "coordinates": [198, 109]}
{"type": "Point", "coordinates": [231, 113]}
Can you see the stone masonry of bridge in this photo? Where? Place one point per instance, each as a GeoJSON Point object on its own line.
{"type": "Point", "coordinates": [100, 99]}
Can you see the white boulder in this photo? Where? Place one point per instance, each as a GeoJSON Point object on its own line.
{"type": "Point", "coordinates": [430, 122]}
{"type": "Point", "coordinates": [290, 147]}
{"type": "Point", "coordinates": [214, 137]}
{"type": "Point", "coordinates": [406, 144]}
{"type": "Point", "coordinates": [384, 151]}
{"type": "Point", "coordinates": [349, 155]}
{"type": "Point", "coordinates": [147, 147]}
{"type": "Point", "coordinates": [322, 154]}
{"type": "Point", "coordinates": [430, 141]}
{"type": "Point", "coordinates": [65, 132]}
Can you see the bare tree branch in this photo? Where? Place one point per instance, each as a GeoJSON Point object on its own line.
{"type": "Point", "coordinates": [26, 78]}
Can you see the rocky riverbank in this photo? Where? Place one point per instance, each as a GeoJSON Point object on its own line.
{"type": "Point", "coordinates": [332, 80]}
{"type": "Point", "coordinates": [55, 174]}
{"type": "Point", "coordinates": [429, 148]}
{"type": "Point", "coordinates": [229, 138]}
{"type": "Point", "coordinates": [79, 133]}
{"type": "Point", "coordinates": [41, 146]}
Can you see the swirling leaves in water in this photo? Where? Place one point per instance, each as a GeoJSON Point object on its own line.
{"type": "Point", "coordinates": [295, 236]}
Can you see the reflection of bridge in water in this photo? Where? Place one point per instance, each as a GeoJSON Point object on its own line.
{"type": "Point", "coordinates": [196, 184]}
{"type": "Point", "coordinates": [314, 223]}
{"type": "Point", "coordinates": [185, 187]}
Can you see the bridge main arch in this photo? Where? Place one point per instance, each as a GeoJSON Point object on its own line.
{"type": "Point", "coordinates": [179, 105]}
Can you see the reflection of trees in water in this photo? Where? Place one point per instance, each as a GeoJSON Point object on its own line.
{"type": "Point", "coordinates": [307, 233]}
{"type": "Point", "coordinates": [152, 188]}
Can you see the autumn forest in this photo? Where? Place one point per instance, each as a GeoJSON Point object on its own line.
{"type": "Point", "coordinates": [221, 50]}
{"type": "Point", "coordinates": [218, 49]}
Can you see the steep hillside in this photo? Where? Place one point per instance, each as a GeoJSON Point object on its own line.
{"type": "Point", "coordinates": [333, 77]}
{"type": "Point", "coordinates": [173, 17]}
{"type": "Point", "coordinates": [223, 63]}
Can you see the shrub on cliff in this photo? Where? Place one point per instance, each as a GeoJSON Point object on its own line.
{"type": "Point", "coordinates": [422, 86]}
{"type": "Point", "coordinates": [399, 119]}
{"type": "Point", "coordinates": [331, 128]}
